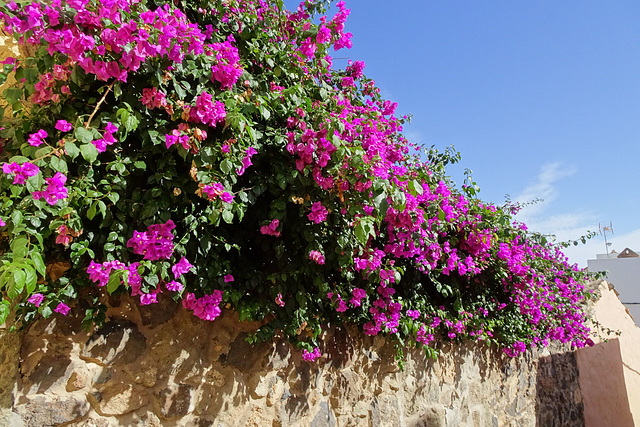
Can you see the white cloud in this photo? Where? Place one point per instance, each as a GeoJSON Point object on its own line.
{"type": "Point", "coordinates": [565, 226]}
{"type": "Point", "coordinates": [544, 187]}
{"type": "Point", "coordinates": [414, 137]}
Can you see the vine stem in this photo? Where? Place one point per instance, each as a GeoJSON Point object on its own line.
{"type": "Point", "coordinates": [95, 110]}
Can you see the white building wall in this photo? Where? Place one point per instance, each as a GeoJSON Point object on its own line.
{"type": "Point", "coordinates": [624, 275]}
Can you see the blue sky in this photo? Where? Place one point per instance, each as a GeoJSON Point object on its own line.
{"type": "Point", "coordinates": [541, 98]}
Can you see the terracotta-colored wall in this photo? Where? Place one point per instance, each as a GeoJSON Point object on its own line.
{"type": "Point", "coordinates": [604, 392]}
{"type": "Point", "coordinates": [610, 371]}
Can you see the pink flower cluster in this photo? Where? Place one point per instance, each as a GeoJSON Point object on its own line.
{"type": "Point", "coordinates": [311, 356]}
{"type": "Point", "coordinates": [206, 307]}
{"type": "Point", "coordinates": [270, 229]}
{"type": "Point", "coordinates": [317, 257]}
{"type": "Point", "coordinates": [178, 136]}
{"type": "Point", "coordinates": [227, 70]}
{"type": "Point", "coordinates": [20, 172]}
{"type": "Point", "coordinates": [113, 48]}
{"type": "Point", "coordinates": [55, 189]}
{"type": "Point", "coordinates": [65, 235]}
{"type": "Point", "coordinates": [206, 111]}
{"type": "Point", "coordinates": [63, 126]}
{"type": "Point", "coordinates": [342, 306]}
{"type": "Point", "coordinates": [156, 243]}
{"type": "Point", "coordinates": [181, 267]}
{"type": "Point", "coordinates": [318, 213]}
{"type": "Point", "coordinates": [355, 69]}
{"type": "Point", "coordinates": [38, 298]}
{"type": "Point", "coordinates": [216, 190]}
{"type": "Point", "coordinates": [246, 160]}
{"type": "Point", "coordinates": [37, 139]}
{"type": "Point", "coordinates": [358, 295]}
{"type": "Point", "coordinates": [107, 138]}
{"type": "Point", "coordinates": [44, 90]}
{"type": "Point", "coordinates": [153, 98]}
{"type": "Point", "coordinates": [99, 273]}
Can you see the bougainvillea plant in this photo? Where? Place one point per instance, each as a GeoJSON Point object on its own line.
{"type": "Point", "coordinates": [210, 151]}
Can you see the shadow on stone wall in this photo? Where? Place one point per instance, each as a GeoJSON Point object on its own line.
{"type": "Point", "coordinates": [160, 366]}
{"type": "Point", "coordinates": [558, 397]}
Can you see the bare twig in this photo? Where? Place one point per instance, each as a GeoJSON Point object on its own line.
{"type": "Point", "coordinates": [95, 110]}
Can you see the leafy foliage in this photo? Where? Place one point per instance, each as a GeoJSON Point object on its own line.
{"type": "Point", "coordinates": [210, 150]}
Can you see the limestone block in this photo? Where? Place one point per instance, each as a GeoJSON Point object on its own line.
{"type": "Point", "coordinates": [40, 411]}
{"type": "Point", "coordinates": [117, 399]}
{"type": "Point", "coordinates": [431, 416]}
{"type": "Point", "coordinates": [324, 417]}
{"type": "Point", "coordinates": [175, 401]}
{"type": "Point", "coordinates": [116, 341]}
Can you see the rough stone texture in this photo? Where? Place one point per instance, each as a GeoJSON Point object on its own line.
{"type": "Point", "coordinates": [9, 358]}
{"type": "Point", "coordinates": [145, 368]}
{"type": "Point", "coordinates": [555, 407]}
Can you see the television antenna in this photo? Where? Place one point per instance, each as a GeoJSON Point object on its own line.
{"type": "Point", "coordinates": [604, 229]}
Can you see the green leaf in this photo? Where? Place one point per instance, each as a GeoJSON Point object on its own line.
{"type": "Point", "coordinates": [36, 257]}
{"type": "Point", "coordinates": [226, 166]}
{"type": "Point", "coordinates": [361, 234]}
{"type": "Point", "coordinates": [71, 149]}
{"type": "Point", "coordinates": [30, 279]}
{"type": "Point", "coordinates": [35, 183]}
{"type": "Point", "coordinates": [5, 308]}
{"type": "Point", "coordinates": [91, 212]}
{"type": "Point", "coordinates": [123, 114]}
{"type": "Point", "coordinates": [19, 247]}
{"type": "Point", "coordinates": [18, 280]}
{"type": "Point", "coordinates": [42, 152]}
{"type": "Point", "coordinates": [378, 198]}
{"type": "Point", "coordinates": [16, 218]}
{"type": "Point", "coordinates": [84, 135]}
{"type": "Point", "coordinates": [131, 123]}
{"type": "Point", "coordinates": [227, 217]}
{"type": "Point", "coordinates": [19, 159]}
{"type": "Point", "coordinates": [12, 95]}
{"type": "Point", "coordinates": [140, 165]}
{"type": "Point", "coordinates": [265, 112]}
{"type": "Point", "coordinates": [114, 282]}
{"type": "Point", "coordinates": [179, 90]}
{"type": "Point", "coordinates": [46, 311]}
{"type": "Point", "coordinates": [89, 152]}
{"type": "Point", "coordinates": [149, 209]}
{"type": "Point", "coordinates": [102, 208]}
{"type": "Point", "coordinates": [415, 186]}
{"type": "Point", "coordinates": [114, 197]}
{"type": "Point", "coordinates": [58, 165]}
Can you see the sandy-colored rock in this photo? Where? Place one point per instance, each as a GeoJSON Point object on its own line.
{"type": "Point", "coordinates": [148, 370]}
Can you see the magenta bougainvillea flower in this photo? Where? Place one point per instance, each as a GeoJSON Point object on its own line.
{"type": "Point", "coordinates": [36, 299]}
{"type": "Point", "coordinates": [55, 190]}
{"type": "Point", "coordinates": [318, 213]}
{"type": "Point", "coordinates": [181, 267]}
{"type": "Point", "coordinates": [63, 125]}
{"type": "Point", "coordinates": [20, 172]}
{"type": "Point", "coordinates": [270, 230]}
{"type": "Point", "coordinates": [37, 139]}
{"type": "Point", "coordinates": [62, 308]}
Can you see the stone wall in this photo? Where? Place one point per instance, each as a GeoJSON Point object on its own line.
{"type": "Point", "coordinates": [160, 366]}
